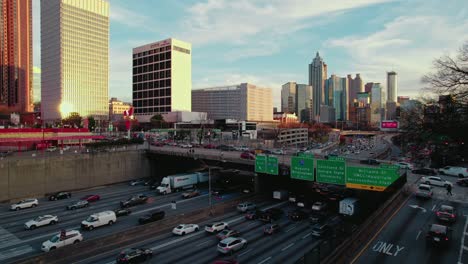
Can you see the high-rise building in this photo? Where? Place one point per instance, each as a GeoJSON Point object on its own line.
{"type": "Point", "coordinates": [288, 98]}
{"type": "Point", "coordinates": [16, 81]}
{"type": "Point", "coordinates": [377, 99]}
{"type": "Point", "coordinates": [317, 77]}
{"type": "Point", "coordinates": [368, 87]}
{"type": "Point", "coordinates": [304, 101]}
{"type": "Point", "coordinates": [402, 99]}
{"type": "Point", "coordinates": [162, 78]}
{"type": "Point", "coordinates": [392, 86]}
{"type": "Point", "coordinates": [74, 58]}
{"type": "Point", "coordinates": [245, 102]}
{"type": "Point", "coordinates": [356, 86]}
{"type": "Point", "coordinates": [336, 96]}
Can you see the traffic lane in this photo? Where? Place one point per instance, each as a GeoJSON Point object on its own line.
{"type": "Point", "coordinates": [161, 245]}
{"type": "Point", "coordinates": [403, 238]}
{"type": "Point", "coordinates": [459, 193]}
{"type": "Point", "coordinates": [122, 223]}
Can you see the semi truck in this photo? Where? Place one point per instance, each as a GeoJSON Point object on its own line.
{"type": "Point", "coordinates": [174, 183]}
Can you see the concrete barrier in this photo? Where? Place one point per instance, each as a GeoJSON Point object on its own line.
{"type": "Point", "coordinates": [80, 251]}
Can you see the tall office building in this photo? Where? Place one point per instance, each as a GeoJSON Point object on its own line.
{"type": "Point", "coordinates": [16, 86]}
{"type": "Point", "coordinates": [402, 99]}
{"type": "Point", "coordinates": [355, 86]}
{"type": "Point", "coordinates": [74, 58]}
{"type": "Point", "coordinates": [244, 102]}
{"type": "Point", "coordinates": [317, 77]}
{"type": "Point", "coordinates": [392, 86]}
{"type": "Point", "coordinates": [377, 101]}
{"type": "Point", "coordinates": [162, 78]}
{"type": "Point", "coordinates": [288, 98]}
{"type": "Point", "coordinates": [337, 93]}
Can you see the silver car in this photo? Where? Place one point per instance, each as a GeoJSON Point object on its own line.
{"type": "Point", "coordinates": [231, 244]}
{"type": "Point", "coordinates": [244, 207]}
{"type": "Point", "coordinates": [424, 191]}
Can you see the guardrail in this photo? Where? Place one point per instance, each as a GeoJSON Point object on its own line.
{"type": "Point", "coordinates": [80, 251]}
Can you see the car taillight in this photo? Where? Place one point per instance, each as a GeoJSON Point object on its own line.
{"type": "Point", "coordinates": [437, 213]}
{"type": "Point", "coordinates": [452, 215]}
{"type": "Point", "coordinates": [446, 239]}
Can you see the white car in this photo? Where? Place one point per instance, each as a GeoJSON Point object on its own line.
{"type": "Point", "coordinates": [216, 227]}
{"type": "Point", "coordinates": [186, 146]}
{"type": "Point", "coordinates": [41, 221]}
{"type": "Point", "coordinates": [51, 149]}
{"type": "Point", "coordinates": [405, 165]}
{"type": "Point", "coordinates": [99, 219]}
{"type": "Point", "coordinates": [231, 244]}
{"type": "Point", "coordinates": [437, 181]}
{"type": "Point", "coordinates": [61, 240]}
{"type": "Point", "coordinates": [27, 203]}
{"type": "Point", "coordinates": [455, 171]}
{"type": "Point", "coordinates": [185, 229]}
{"type": "Point", "coordinates": [277, 151]}
{"type": "Point", "coordinates": [424, 191]}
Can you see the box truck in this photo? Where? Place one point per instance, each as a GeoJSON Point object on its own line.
{"type": "Point", "coordinates": [174, 183]}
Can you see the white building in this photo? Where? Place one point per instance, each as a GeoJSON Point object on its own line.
{"type": "Point", "coordinates": [392, 86]}
{"type": "Point", "coordinates": [74, 58]}
{"type": "Point", "coordinates": [245, 102]}
{"type": "Point", "coordinates": [162, 78]}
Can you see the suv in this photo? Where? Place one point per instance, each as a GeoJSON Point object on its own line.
{"type": "Point", "coordinates": [27, 203]}
{"type": "Point", "coordinates": [454, 171]}
{"type": "Point", "coordinates": [446, 213]}
{"type": "Point", "coordinates": [244, 207]}
{"type": "Point", "coordinates": [62, 239]}
{"type": "Point", "coordinates": [41, 221]}
{"type": "Point", "coordinates": [231, 244]}
{"type": "Point", "coordinates": [424, 191]}
{"type": "Point", "coordinates": [216, 227]}
{"type": "Point", "coordinates": [151, 217]}
{"type": "Point", "coordinates": [134, 200]}
{"type": "Point", "coordinates": [59, 196]}
{"type": "Point", "coordinates": [438, 234]}
{"type": "Point", "coordinates": [134, 255]}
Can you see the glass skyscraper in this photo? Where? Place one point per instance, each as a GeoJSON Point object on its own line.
{"type": "Point", "coordinates": [317, 77]}
{"type": "Point", "coordinates": [74, 58]}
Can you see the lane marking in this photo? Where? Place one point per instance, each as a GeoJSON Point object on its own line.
{"type": "Point", "coordinates": [245, 252]}
{"type": "Point", "coordinates": [419, 233]}
{"type": "Point", "coordinates": [288, 246]}
{"type": "Point", "coordinates": [251, 224]}
{"type": "Point", "coordinates": [466, 233]}
{"type": "Point", "coordinates": [307, 235]}
{"type": "Point", "coordinates": [203, 243]}
{"type": "Point", "coordinates": [433, 207]}
{"type": "Point", "coordinates": [465, 248]}
{"type": "Point", "coordinates": [291, 229]}
{"type": "Point", "coordinates": [265, 260]}
{"type": "Point", "coordinates": [462, 246]}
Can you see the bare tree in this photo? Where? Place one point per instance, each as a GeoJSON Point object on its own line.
{"type": "Point", "coordinates": [450, 76]}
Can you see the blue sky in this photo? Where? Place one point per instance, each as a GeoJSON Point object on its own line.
{"type": "Point", "coordinates": [271, 42]}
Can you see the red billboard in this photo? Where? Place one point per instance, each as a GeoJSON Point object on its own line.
{"type": "Point", "coordinates": [389, 124]}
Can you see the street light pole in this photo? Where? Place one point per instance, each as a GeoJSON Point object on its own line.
{"type": "Point", "coordinates": [209, 189]}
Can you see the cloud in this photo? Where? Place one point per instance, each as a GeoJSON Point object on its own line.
{"type": "Point", "coordinates": [126, 17]}
{"type": "Point", "coordinates": [407, 44]}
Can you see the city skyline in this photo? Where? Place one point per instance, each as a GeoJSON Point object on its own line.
{"type": "Point", "coordinates": [281, 53]}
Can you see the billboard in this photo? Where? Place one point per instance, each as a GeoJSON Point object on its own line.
{"type": "Point", "coordinates": [389, 125]}
{"type": "Point", "coordinates": [331, 171]}
{"type": "Point", "coordinates": [302, 168]}
{"type": "Point", "coordinates": [260, 163]}
{"type": "Point", "coordinates": [374, 179]}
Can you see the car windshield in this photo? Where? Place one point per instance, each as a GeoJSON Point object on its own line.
{"type": "Point", "coordinates": [446, 209]}
{"type": "Point", "coordinates": [222, 244]}
{"type": "Point", "coordinates": [91, 219]}
{"type": "Point", "coordinates": [39, 218]}
{"type": "Point", "coordinates": [424, 188]}
{"type": "Point", "coordinates": [54, 239]}
{"type": "Point", "coordinates": [180, 227]}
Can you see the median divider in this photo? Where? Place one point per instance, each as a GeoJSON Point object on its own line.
{"type": "Point", "coordinates": [92, 247]}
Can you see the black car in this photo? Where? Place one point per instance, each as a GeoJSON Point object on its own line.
{"type": "Point", "coordinates": [134, 200]}
{"type": "Point", "coordinates": [425, 171]}
{"type": "Point", "coordinates": [218, 191]}
{"type": "Point", "coordinates": [270, 215]}
{"type": "Point", "coordinates": [297, 215]}
{"type": "Point", "coordinates": [59, 196]}
{"type": "Point", "coordinates": [370, 162]}
{"type": "Point", "coordinates": [122, 212]}
{"type": "Point", "coordinates": [438, 234]}
{"type": "Point", "coordinates": [318, 218]}
{"type": "Point", "coordinates": [134, 255]}
{"type": "Point", "coordinates": [151, 217]}
{"type": "Point", "coordinates": [463, 182]}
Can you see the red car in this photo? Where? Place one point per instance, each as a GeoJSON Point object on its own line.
{"type": "Point", "coordinates": [209, 146]}
{"type": "Point", "coordinates": [91, 198]}
{"type": "Point", "coordinates": [247, 155]}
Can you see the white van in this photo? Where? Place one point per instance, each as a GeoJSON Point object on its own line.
{"type": "Point", "coordinates": [99, 219]}
{"type": "Point", "coordinates": [454, 171]}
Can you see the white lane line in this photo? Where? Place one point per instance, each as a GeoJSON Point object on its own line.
{"type": "Point", "coordinates": [433, 207]}
{"type": "Point", "coordinates": [291, 229]}
{"type": "Point", "coordinates": [419, 233]}
{"type": "Point", "coordinates": [13, 252]}
{"type": "Point", "coordinates": [288, 246]}
{"type": "Point", "coordinates": [169, 204]}
{"type": "Point", "coordinates": [265, 260]}
{"type": "Point", "coordinates": [307, 235]}
{"type": "Point", "coordinates": [462, 246]}
{"type": "Point", "coordinates": [251, 224]}
{"type": "Point", "coordinates": [243, 253]}
{"type": "Point", "coordinates": [200, 244]}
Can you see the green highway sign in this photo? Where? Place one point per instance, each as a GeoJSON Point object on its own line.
{"type": "Point", "coordinates": [375, 179]}
{"type": "Point", "coordinates": [331, 171]}
{"type": "Point", "coordinates": [302, 168]}
{"type": "Point", "coordinates": [260, 163]}
{"type": "Point", "coordinates": [272, 165]}
{"type": "Point", "coordinates": [307, 155]}
{"type": "Point", "coordinates": [336, 158]}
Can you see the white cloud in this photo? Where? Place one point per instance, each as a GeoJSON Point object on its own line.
{"type": "Point", "coordinates": [408, 45]}
{"type": "Point", "coordinates": [130, 18]}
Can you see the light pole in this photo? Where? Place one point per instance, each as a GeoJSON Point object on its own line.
{"type": "Point", "coordinates": [209, 190]}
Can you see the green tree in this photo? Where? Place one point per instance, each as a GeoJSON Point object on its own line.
{"type": "Point", "coordinates": [91, 123]}
{"type": "Point", "coordinates": [73, 120]}
{"type": "Point", "coordinates": [157, 121]}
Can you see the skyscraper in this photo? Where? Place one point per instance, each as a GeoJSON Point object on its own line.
{"type": "Point", "coordinates": [162, 78]}
{"type": "Point", "coordinates": [288, 98]}
{"type": "Point", "coordinates": [392, 86]}
{"type": "Point", "coordinates": [16, 88]}
{"type": "Point", "coordinates": [317, 77]}
{"type": "Point", "coordinates": [74, 58]}
{"type": "Point", "coordinates": [377, 99]}
{"type": "Point", "coordinates": [304, 102]}
{"type": "Point", "coordinates": [337, 93]}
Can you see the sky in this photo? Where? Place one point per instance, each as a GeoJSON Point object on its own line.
{"type": "Point", "coordinates": [271, 42]}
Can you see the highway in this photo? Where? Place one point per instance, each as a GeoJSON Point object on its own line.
{"type": "Point", "coordinates": [403, 238]}
{"type": "Point", "coordinates": [200, 247]}
{"type": "Point", "coordinates": [16, 242]}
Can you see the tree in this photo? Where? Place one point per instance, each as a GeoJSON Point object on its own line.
{"type": "Point", "coordinates": [91, 123]}
{"type": "Point", "coordinates": [157, 121]}
{"type": "Point", "coordinates": [73, 120]}
{"type": "Point", "coordinates": [450, 76]}
{"type": "Point", "coordinates": [319, 131]}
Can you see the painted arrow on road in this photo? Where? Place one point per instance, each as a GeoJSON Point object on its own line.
{"type": "Point", "coordinates": [415, 206]}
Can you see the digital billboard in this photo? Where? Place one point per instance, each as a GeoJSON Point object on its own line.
{"type": "Point", "coordinates": [389, 125]}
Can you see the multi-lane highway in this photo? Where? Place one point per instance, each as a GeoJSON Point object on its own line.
{"type": "Point", "coordinates": [16, 242]}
